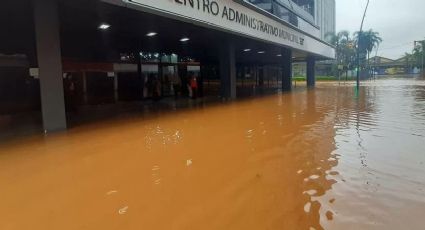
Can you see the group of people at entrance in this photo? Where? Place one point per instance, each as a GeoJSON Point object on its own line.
{"type": "Point", "coordinates": [172, 84]}
{"type": "Point", "coordinates": [154, 88]}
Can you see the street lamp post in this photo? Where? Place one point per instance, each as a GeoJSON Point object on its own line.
{"type": "Point", "coordinates": [358, 46]}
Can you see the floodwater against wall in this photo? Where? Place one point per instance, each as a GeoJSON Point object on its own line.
{"type": "Point", "coordinates": [311, 159]}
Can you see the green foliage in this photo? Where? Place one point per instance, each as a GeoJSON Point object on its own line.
{"type": "Point", "coordinates": [417, 57]}
{"type": "Point", "coordinates": [367, 40]}
{"type": "Point", "coordinates": [346, 47]}
{"type": "Point", "coordinates": [418, 53]}
{"type": "Point", "coordinates": [410, 60]}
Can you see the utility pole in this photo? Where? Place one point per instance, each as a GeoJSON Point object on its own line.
{"type": "Point", "coordinates": [423, 53]}
{"type": "Point", "coordinates": [422, 62]}
{"type": "Point", "coordinates": [358, 46]}
{"type": "Point", "coordinates": [422, 69]}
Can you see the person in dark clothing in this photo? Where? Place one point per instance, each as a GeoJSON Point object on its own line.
{"type": "Point", "coordinates": [70, 93]}
{"type": "Point", "coordinates": [156, 93]}
{"type": "Point", "coordinates": [176, 81]}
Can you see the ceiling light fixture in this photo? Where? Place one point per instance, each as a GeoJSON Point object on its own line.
{"type": "Point", "coordinates": [261, 52]}
{"type": "Point", "coordinates": [185, 39]}
{"type": "Point", "coordinates": [151, 34]}
{"type": "Point", "coordinates": [246, 50]}
{"type": "Point", "coordinates": [104, 26]}
{"type": "Point", "coordinates": [279, 55]}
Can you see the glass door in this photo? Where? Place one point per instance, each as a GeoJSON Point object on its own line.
{"type": "Point", "coordinates": [169, 74]}
{"type": "Point", "coordinates": [152, 82]}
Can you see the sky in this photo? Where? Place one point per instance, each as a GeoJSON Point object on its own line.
{"type": "Point", "coordinates": [399, 22]}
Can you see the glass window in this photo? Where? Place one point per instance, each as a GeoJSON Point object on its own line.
{"type": "Point", "coordinates": [307, 5]}
{"type": "Point", "coordinates": [278, 8]}
{"type": "Point", "coordinates": [263, 4]}
{"type": "Point", "coordinates": [284, 14]}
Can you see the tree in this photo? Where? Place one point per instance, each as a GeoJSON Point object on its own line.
{"type": "Point", "coordinates": [367, 41]}
{"type": "Point", "coordinates": [418, 54]}
{"type": "Point", "coordinates": [417, 57]}
{"type": "Point", "coordinates": [339, 40]}
{"type": "Point", "coordinates": [344, 46]}
{"type": "Point", "coordinates": [410, 60]}
{"type": "Point", "coordinates": [372, 40]}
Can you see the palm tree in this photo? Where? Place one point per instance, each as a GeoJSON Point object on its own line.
{"type": "Point", "coordinates": [373, 40]}
{"type": "Point", "coordinates": [367, 41]}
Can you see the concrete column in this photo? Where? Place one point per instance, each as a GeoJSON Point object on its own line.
{"type": "Point", "coordinates": [311, 76]}
{"type": "Point", "coordinates": [139, 74]}
{"type": "Point", "coordinates": [228, 70]}
{"type": "Point", "coordinates": [287, 70]}
{"type": "Point", "coordinates": [46, 22]}
{"type": "Point", "coordinates": [84, 74]}
{"type": "Point", "coordinates": [116, 96]}
{"type": "Point", "coordinates": [85, 98]}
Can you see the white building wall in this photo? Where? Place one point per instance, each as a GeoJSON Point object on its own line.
{"type": "Point", "coordinates": [325, 17]}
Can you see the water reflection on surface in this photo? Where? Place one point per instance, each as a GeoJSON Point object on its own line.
{"type": "Point", "coordinates": [381, 143]}
{"type": "Point", "coordinates": [312, 159]}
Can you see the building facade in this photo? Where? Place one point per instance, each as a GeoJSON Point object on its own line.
{"type": "Point", "coordinates": [326, 18]}
{"type": "Point", "coordinates": [61, 54]}
{"type": "Point", "coordinates": [316, 17]}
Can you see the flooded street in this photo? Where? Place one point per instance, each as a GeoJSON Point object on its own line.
{"type": "Point", "coordinates": [312, 159]}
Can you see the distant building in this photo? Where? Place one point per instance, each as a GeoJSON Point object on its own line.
{"type": "Point", "coordinates": [386, 66]}
{"type": "Point", "coordinates": [326, 17]}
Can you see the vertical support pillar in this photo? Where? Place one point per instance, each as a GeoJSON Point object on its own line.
{"type": "Point", "coordinates": [46, 21]}
{"type": "Point", "coordinates": [84, 74]}
{"type": "Point", "coordinates": [116, 96]}
{"type": "Point", "coordinates": [85, 97]}
{"type": "Point", "coordinates": [228, 70]}
{"type": "Point", "coordinates": [311, 75]}
{"type": "Point", "coordinates": [139, 74]}
{"type": "Point", "coordinates": [266, 76]}
{"type": "Point", "coordinates": [287, 70]}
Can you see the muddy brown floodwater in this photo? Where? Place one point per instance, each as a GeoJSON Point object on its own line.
{"type": "Point", "coordinates": [311, 159]}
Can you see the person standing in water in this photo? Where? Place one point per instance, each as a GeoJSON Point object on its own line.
{"type": "Point", "coordinates": [194, 86]}
{"type": "Point", "coordinates": [70, 94]}
{"type": "Point", "coordinates": [176, 81]}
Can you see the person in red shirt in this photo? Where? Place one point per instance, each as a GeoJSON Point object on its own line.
{"type": "Point", "coordinates": [194, 86]}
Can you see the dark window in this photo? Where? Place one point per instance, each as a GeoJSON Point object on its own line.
{"type": "Point", "coordinates": [263, 4]}
{"type": "Point", "coordinates": [284, 14]}
{"type": "Point", "coordinates": [277, 7]}
{"type": "Point", "coordinates": [307, 5]}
